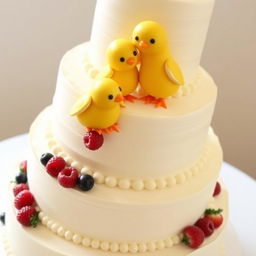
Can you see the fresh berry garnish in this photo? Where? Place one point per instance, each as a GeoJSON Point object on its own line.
{"type": "Point", "coordinates": [85, 182]}
{"type": "Point", "coordinates": [45, 158]}
{"type": "Point", "coordinates": [24, 198]}
{"type": "Point", "coordinates": [23, 166]}
{"type": "Point", "coordinates": [193, 236]}
{"type": "Point", "coordinates": [28, 216]}
{"type": "Point", "coordinates": [215, 216]}
{"type": "Point", "coordinates": [93, 140]}
{"type": "Point", "coordinates": [55, 165]}
{"type": "Point", "coordinates": [2, 218]}
{"type": "Point", "coordinates": [206, 225]}
{"type": "Point", "coordinates": [20, 187]}
{"type": "Point", "coordinates": [21, 178]}
{"type": "Point", "coordinates": [68, 177]}
{"type": "Point", "coordinates": [217, 189]}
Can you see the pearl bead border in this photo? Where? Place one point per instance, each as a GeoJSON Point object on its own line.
{"type": "Point", "coordinates": [111, 246]}
{"type": "Point", "coordinates": [6, 245]}
{"type": "Point", "coordinates": [184, 90]}
{"type": "Point", "coordinates": [129, 183]}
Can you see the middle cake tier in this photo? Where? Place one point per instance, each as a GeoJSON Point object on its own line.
{"type": "Point", "coordinates": [152, 143]}
{"type": "Point", "coordinates": [114, 214]}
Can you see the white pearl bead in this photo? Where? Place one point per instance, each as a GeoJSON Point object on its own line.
{"type": "Point", "coordinates": [45, 220]}
{"type": "Point", "coordinates": [55, 227]}
{"type": "Point", "coordinates": [124, 247]}
{"type": "Point", "coordinates": [95, 244]}
{"type": "Point", "coordinates": [142, 247]}
{"type": "Point", "coordinates": [41, 215]}
{"type": "Point", "coordinates": [61, 231]}
{"type": "Point", "coordinates": [176, 239]}
{"type": "Point", "coordinates": [133, 248]}
{"type": "Point", "coordinates": [49, 224]}
{"type": "Point", "coordinates": [77, 239]}
{"type": "Point", "coordinates": [61, 154]}
{"type": "Point", "coordinates": [195, 170]}
{"type": "Point", "coordinates": [68, 160]}
{"type": "Point", "coordinates": [86, 241]}
{"type": "Point", "coordinates": [114, 247]}
{"type": "Point", "coordinates": [124, 183]}
{"type": "Point", "coordinates": [168, 243]}
{"type": "Point", "coordinates": [68, 235]}
{"type": "Point", "coordinates": [104, 246]}
{"type": "Point", "coordinates": [98, 177]}
{"type": "Point", "coordinates": [181, 178]}
{"type": "Point", "coordinates": [151, 246]}
{"type": "Point", "coordinates": [160, 245]}
{"type": "Point", "coordinates": [171, 181]}
{"type": "Point", "coordinates": [150, 184]}
{"type": "Point", "coordinates": [111, 181]}
{"type": "Point", "coordinates": [138, 185]}
{"type": "Point", "coordinates": [161, 183]}
{"type": "Point", "coordinates": [76, 165]}
{"type": "Point", "coordinates": [56, 150]}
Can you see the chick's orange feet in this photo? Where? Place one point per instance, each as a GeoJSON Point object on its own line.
{"type": "Point", "coordinates": [130, 98]}
{"type": "Point", "coordinates": [158, 102]}
{"type": "Point", "coordinates": [112, 128]}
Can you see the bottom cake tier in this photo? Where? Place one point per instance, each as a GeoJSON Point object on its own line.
{"type": "Point", "coordinates": [42, 241]}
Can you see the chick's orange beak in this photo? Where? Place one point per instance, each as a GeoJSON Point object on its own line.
{"type": "Point", "coordinates": [130, 61]}
{"type": "Point", "coordinates": [143, 45]}
{"type": "Point", "coordinates": [119, 98]}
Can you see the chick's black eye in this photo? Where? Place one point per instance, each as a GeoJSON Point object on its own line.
{"type": "Point", "coordinates": [110, 97]}
{"type": "Point", "coordinates": [152, 41]}
{"type": "Point", "coordinates": [136, 38]}
{"type": "Point", "coordinates": [122, 59]}
{"type": "Point", "coordinates": [135, 53]}
{"type": "Point", "coordinates": [120, 89]}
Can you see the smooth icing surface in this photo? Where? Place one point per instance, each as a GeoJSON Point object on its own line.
{"type": "Point", "coordinates": [116, 209]}
{"type": "Point", "coordinates": [152, 142]}
{"type": "Point", "coordinates": [42, 241]}
{"type": "Point", "coordinates": [186, 22]}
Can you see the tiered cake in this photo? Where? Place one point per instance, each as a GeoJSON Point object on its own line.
{"type": "Point", "coordinates": [155, 177]}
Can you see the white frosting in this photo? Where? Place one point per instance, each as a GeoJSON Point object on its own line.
{"type": "Point", "coordinates": [118, 210]}
{"type": "Point", "coordinates": [186, 22]}
{"type": "Point", "coordinates": [152, 142]}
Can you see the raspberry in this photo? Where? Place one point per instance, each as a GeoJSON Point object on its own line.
{"type": "Point", "coordinates": [206, 225]}
{"type": "Point", "coordinates": [217, 189]}
{"type": "Point", "coordinates": [193, 236]}
{"type": "Point", "coordinates": [28, 216]}
{"type": "Point", "coordinates": [24, 198]}
{"type": "Point", "coordinates": [20, 187]}
{"type": "Point", "coordinates": [55, 165]}
{"type": "Point", "coordinates": [93, 140]}
{"type": "Point", "coordinates": [68, 177]}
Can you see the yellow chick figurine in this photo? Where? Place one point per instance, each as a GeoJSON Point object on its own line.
{"type": "Point", "coordinates": [159, 75]}
{"type": "Point", "coordinates": [122, 58]}
{"type": "Point", "coordinates": [100, 109]}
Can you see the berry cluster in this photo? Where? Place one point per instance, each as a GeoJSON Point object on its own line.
{"type": "Point", "coordinates": [24, 200]}
{"type": "Point", "coordinates": [68, 177]}
{"type": "Point", "coordinates": [194, 235]}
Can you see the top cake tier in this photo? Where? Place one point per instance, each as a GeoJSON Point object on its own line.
{"type": "Point", "coordinates": [186, 22]}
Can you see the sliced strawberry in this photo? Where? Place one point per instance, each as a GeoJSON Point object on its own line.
{"type": "Point", "coordinates": [215, 216]}
{"type": "Point", "coordinates": [193, 236]}
{"type": "Point", "coordinates": [24, 198]}
{"type": "Point", "coordinates": [28, 216]}
{"type": "Point", "coordinates": [23, 166]}
{"type": "Point", "coordinates": [217, 189]}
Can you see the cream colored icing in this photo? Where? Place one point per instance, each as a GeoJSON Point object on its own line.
{"type": "Point", "coordinates": [186, 23]}
{"type": "Point", "coordinates": [169, 140]}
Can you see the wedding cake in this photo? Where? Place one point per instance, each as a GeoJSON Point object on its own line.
{"type": "Point", "coordinates": [124, 161]}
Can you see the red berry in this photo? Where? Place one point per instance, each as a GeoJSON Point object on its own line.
{"type": "Point", "coordinates": [93, 140]}
{"type": "Point", "coordinates": [20, 187]}
{"type": "Point", "coordinates": [55, 165]}
{"type": "Point", "coordinates": [68, 177]}
{"type": "Point", "coordinates": [215, 216]}
{"type": "Point", "coordinates": [206, 225]}
{"type": "Point", "coordinates": [23, 166]}
{"type": "Point", "coordinates": [28, 216]}
{"type": "Point", "coordinates": [217, 189]}
{"type": "Point", "coordinates": [24, 198]}
{"type": "Point", "coordinates": [193, 236]}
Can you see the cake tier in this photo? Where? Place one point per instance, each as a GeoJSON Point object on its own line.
{"type": "Point", "coordinates": [186, 22]}
{"type": "Point", "coordinates": [42, 241]}
{"type": "Point", "coordinates": [104, 213]}
{"type": "Point", "coordinates": [152, 142]}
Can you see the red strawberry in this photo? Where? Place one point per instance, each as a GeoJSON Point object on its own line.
{"type": "Point", "coordinates": [68, 177]}
{"type": "Point", "coordinates": [24, 198]}
{"type": "Point", "coordinates": [193, 236]}
{"type": "Point", "coordinates": [217, 189]}
{"type": "Point", "coordinates": [206, 225]}
{"type": "Point", "coordinates": [20, 187]}
{"type": "Point", "coordinates": [28, 216]}
{"type": "Point", "coordinates": [93, 140]}
{"type": "Point", "coordinates": [215, 216]}
{"type": "Point", "coordinates": [23, 166]}
{"type": "Point", "coordinates": [55, 165]}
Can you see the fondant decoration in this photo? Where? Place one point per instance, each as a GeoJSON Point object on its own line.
{"type": "Point", "coordinates": [215, 216]}
{"type": "Point", "coordinates": [193, 236]}
{"type": "Point", "coordinates": [2, 218]}
{"type": "Point", "coordinates": [93, 140]}
{"type": "Point", "coordinates": [206, 225]}
{"type": "Point", "coordinates": [131, 183]}
{"type": "Point", "coordinates": [217, 189]}
{"type": "Point", "coordinates": [28, 216]}
{"type": "Point", "coordinates": [160, 76]}
{"type": "Point", "coordinates": [100, 109]}
{"type": "Point", "coordinates": [23, 166]}
{"type": "Point", "coordinates": [122, 58]}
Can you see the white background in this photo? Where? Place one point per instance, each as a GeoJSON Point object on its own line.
{"type": "Point", "coordinates": [35, 34]}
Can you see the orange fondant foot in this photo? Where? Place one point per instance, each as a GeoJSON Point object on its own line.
{"type": "Point", "coordinates": [112, 128]}
{"type": "Point", "coordinates": [160, 102]}
{"type": "Point", "coordinates": [130, 98]}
